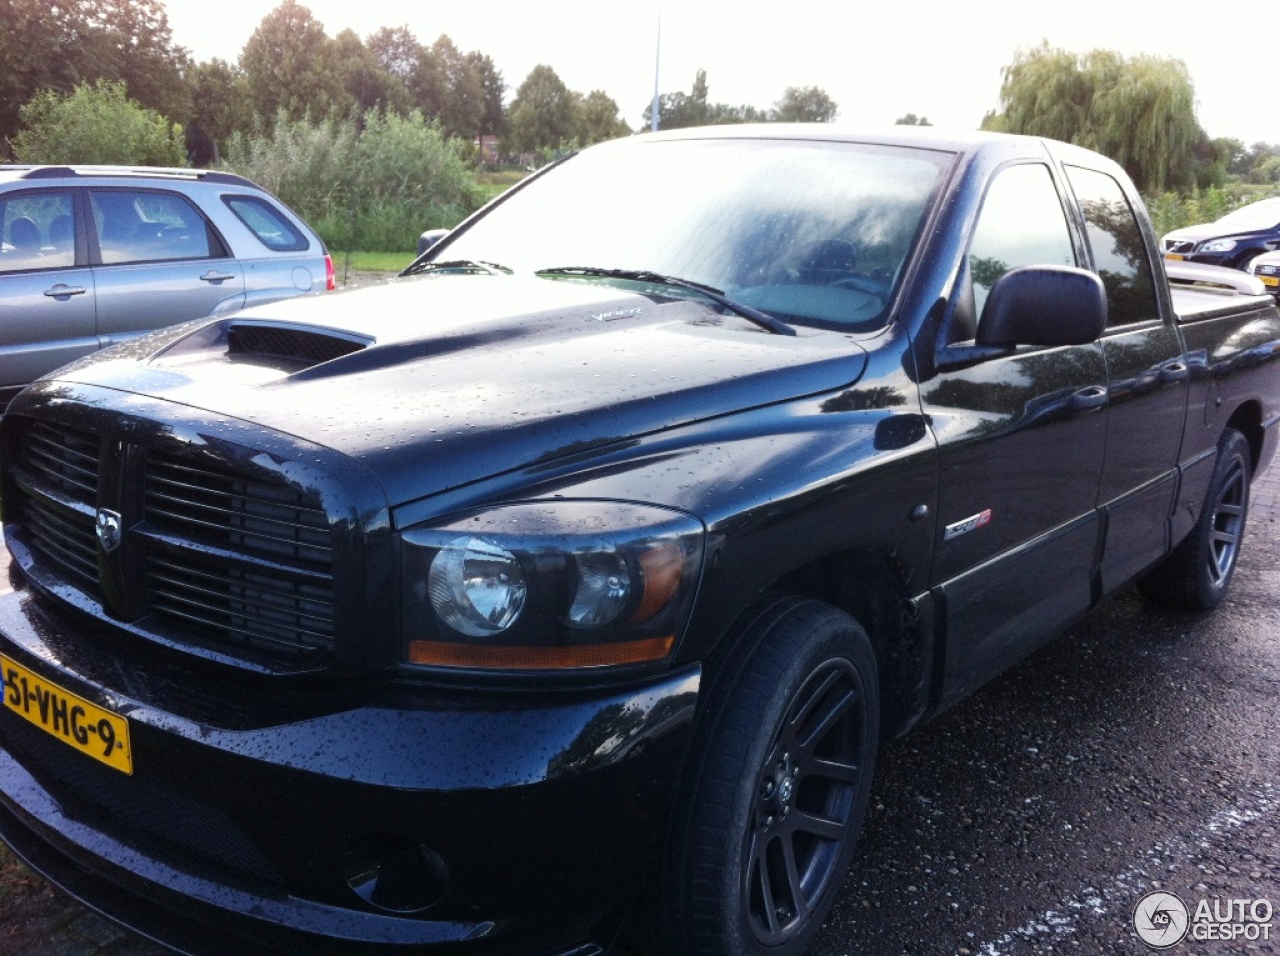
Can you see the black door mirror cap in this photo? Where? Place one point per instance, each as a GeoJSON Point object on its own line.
{"type": "Point", "coordinates": [1044, 305]}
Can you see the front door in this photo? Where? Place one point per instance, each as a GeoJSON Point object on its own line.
{"type": "Point", "coordinates": [1021, 440]}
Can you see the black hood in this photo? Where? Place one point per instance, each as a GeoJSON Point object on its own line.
{"type": "Point", "coordinates": [449, 379]}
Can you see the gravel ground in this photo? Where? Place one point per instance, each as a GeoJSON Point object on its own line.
{"type": "Point", "coordinates": [1137, 752]}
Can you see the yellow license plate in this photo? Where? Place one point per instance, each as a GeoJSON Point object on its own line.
{"type": "Point", "coordinates": [1173, 255]}
{"type": "Point", "coordinates": [1270, 280]}
{"type": "Point", "coordinates": [75, 721]}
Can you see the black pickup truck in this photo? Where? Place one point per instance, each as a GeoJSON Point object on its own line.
{"type": "Point", "coordinates": [566, 586]}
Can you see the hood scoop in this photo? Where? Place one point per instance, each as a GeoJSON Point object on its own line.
{"type": "Point", "coordinates": [287, 347]}
{"type": "Point", "coordinates": [282, 347]}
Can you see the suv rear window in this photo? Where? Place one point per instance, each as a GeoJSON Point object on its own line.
{"type": "Point", "coordinates": [272, 229]}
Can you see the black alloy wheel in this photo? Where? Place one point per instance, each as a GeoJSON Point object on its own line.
{"type": "Point", "coordinates": [778, 780]}
{"type": "Point", "coordinates": [1196, 574]}
{"type": "Point", "coordinates": [804, 804]}
{"type": "Point", "coordinates": [1227, 521]}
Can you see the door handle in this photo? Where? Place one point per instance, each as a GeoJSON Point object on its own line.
{"type": "Point", "coordinates": [62, 291]}
{"type": "Point", "coordinates": [1087, 399]}
{"type": "Point", "coordinates": [1173, 372]}
{"type": "Point", "coordinates": [213, 276]}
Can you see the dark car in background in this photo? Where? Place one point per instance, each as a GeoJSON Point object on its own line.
{"type": "Point", "coordinates": [1233, 241]}
{"type": "Point", "coordinates": [94, 255]}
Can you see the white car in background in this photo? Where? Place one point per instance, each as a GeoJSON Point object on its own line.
{"type": "Point", "coordinates": [1267, 268]}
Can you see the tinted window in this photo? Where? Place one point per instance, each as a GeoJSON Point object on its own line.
{"type": "Point", "coordinates": [811, 232]}
{"type": "Point", "coordinates": [1119, 253]}
{"type": "Point", "coordinates": [135, 226]}
{"type": "Point", "coordinates": [37, 232]}
{"type": "Point", "coordinates": [1021, 224]}
{"type": "Point", "coordinates": [267, 223]}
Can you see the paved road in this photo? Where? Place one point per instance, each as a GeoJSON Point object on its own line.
{"type": "Point", "coordinates": [1138, 752]}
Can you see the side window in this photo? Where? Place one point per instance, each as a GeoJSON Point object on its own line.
{"type": "Point", "coordinates": [1119, 252]}
{"type": "Point", "coordinates": [1021, 224]}
{"type": "Point", "coordinates": [137, 226]}
{"type": "Point", "coordinates": [267, 223]}
{"type": "Point", "coordinates": [37, 232]}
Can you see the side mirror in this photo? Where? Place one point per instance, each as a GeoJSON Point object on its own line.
{"type": "Point", "coordinates": [430, 238]}
{"type": "Point", "coordinates": [1044, 305]}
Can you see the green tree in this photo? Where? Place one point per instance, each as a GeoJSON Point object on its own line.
{"type": "Point", "coordinates": [97, 124]}
{"type": "Point", "coordinates": [219, 96]}
{"type": "Point", "coordinates": [397, 51]}
{"type": "Point", "coordinates": [598, 119]}
{"type": "Point", "coordinates": [32, 55]}
{"type": "Point", "coordinates": [363, 78]}
{"type": "Point", "coordinates": [289, 64]}
{"type": "Point", "coordinates": [1140, 111]}
{"type": "Point", "coordinates": [680, 110]}
{"type": "Point", "coordinates": [492, 88]}
{"type": "Point", "coordinates": [912, 120]}
{"type": "Point", "coordinates": [543, 114]}
{"type": "Point", "coordinates": [46, 46]}
{"type": "Point", "coordinates": [804, 104]}
{"type": "Point", "coordinates": [130, 41]}
{"type": "Point", "coordinates": [462, 109]}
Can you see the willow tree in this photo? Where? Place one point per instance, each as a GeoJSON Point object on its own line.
{"type": "Point", "coordinates": [1140, 111]}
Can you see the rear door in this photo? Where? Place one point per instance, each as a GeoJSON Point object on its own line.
{"type": "Point", "coordinates": [46, 287]}
{"type": "Point", "coordinates": [157, 261]}
{"type": "Point", "coordinates": [1147, 382]}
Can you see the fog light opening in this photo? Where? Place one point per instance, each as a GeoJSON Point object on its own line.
{"type": "Point", "coordinates": [396, 875]}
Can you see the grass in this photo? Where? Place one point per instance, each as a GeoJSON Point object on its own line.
{"type": "Point", "coordinates": [14, 877]}
{"type": "Point", "coordinates": [494, 182]}
{"type": "Point", "coordinates": [373, 261]}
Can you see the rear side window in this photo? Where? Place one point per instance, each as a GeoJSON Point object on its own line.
{"type": "Point", "coordinates": [1119, 252]}
{"type": "Point", "coordinates": [267, 223]}
{"type": "Point", "coordinates": [36, 232]}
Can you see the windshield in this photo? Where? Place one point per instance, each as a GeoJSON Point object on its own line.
{"type": "Point", "coordinates": [814, 232]}
{"type": "Point", "coordinates": [1258, 215]}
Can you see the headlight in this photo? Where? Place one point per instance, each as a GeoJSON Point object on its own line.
{"type": "Point", "coordinates": [561, 584]}
{"type": "Point", "coordinates": [1219, 245]}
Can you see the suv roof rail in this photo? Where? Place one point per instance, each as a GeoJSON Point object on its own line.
{"type": "Point", "coordinates": [154, 172]}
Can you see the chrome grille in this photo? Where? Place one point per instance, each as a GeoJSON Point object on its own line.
{"type": "Point", "coordinates": [238, 559]}
{"type": "Point", "coordinates": [58, 471]}
{"type": "Point", "coordinates": [231, 561]}
{"type": "Point", "coordinates": [66, 540]}
{"type": "Point", "coordinates": [64, 460]}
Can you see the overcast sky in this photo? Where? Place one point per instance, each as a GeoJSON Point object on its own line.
{"type": "Point", "coordinates": [877, 61]}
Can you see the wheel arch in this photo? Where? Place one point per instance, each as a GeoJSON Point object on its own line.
{"type": "Point", "coordinates": [871, 587]}
{"type": "Point", "coordinates": [1247, 419]}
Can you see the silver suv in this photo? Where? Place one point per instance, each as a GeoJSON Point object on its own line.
{"type": "Point", "coordinates": [93, 255]}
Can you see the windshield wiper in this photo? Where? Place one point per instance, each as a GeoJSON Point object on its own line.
{"type": "Point", "coordinates": [761, 319]}
{"type": "Point", "coordinates": [456, 265]}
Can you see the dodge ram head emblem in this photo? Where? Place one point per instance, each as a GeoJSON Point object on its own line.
{"type": "Point", "coordinates": [108, 528]}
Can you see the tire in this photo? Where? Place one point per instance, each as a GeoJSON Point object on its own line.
{"type": "Point", "coordinates": [777, 784]}
{"type": "Point", "coordinates": [1197, 573]}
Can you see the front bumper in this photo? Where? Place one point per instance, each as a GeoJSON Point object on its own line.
{"type": "Point", "coordinates": [1270, 276]}
{"type": "Point", "coordinates": [442, 820]}
{"type": "Point", "coordinates": [1205, 258]}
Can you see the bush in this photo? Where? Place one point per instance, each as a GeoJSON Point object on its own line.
{"type": "Point", "coordinates": [374, 188]}
{"type": "Point", "coordinates": [97, 124]}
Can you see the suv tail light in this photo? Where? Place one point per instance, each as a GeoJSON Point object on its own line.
{"type": "Point", "coordinates": [330, 281]}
